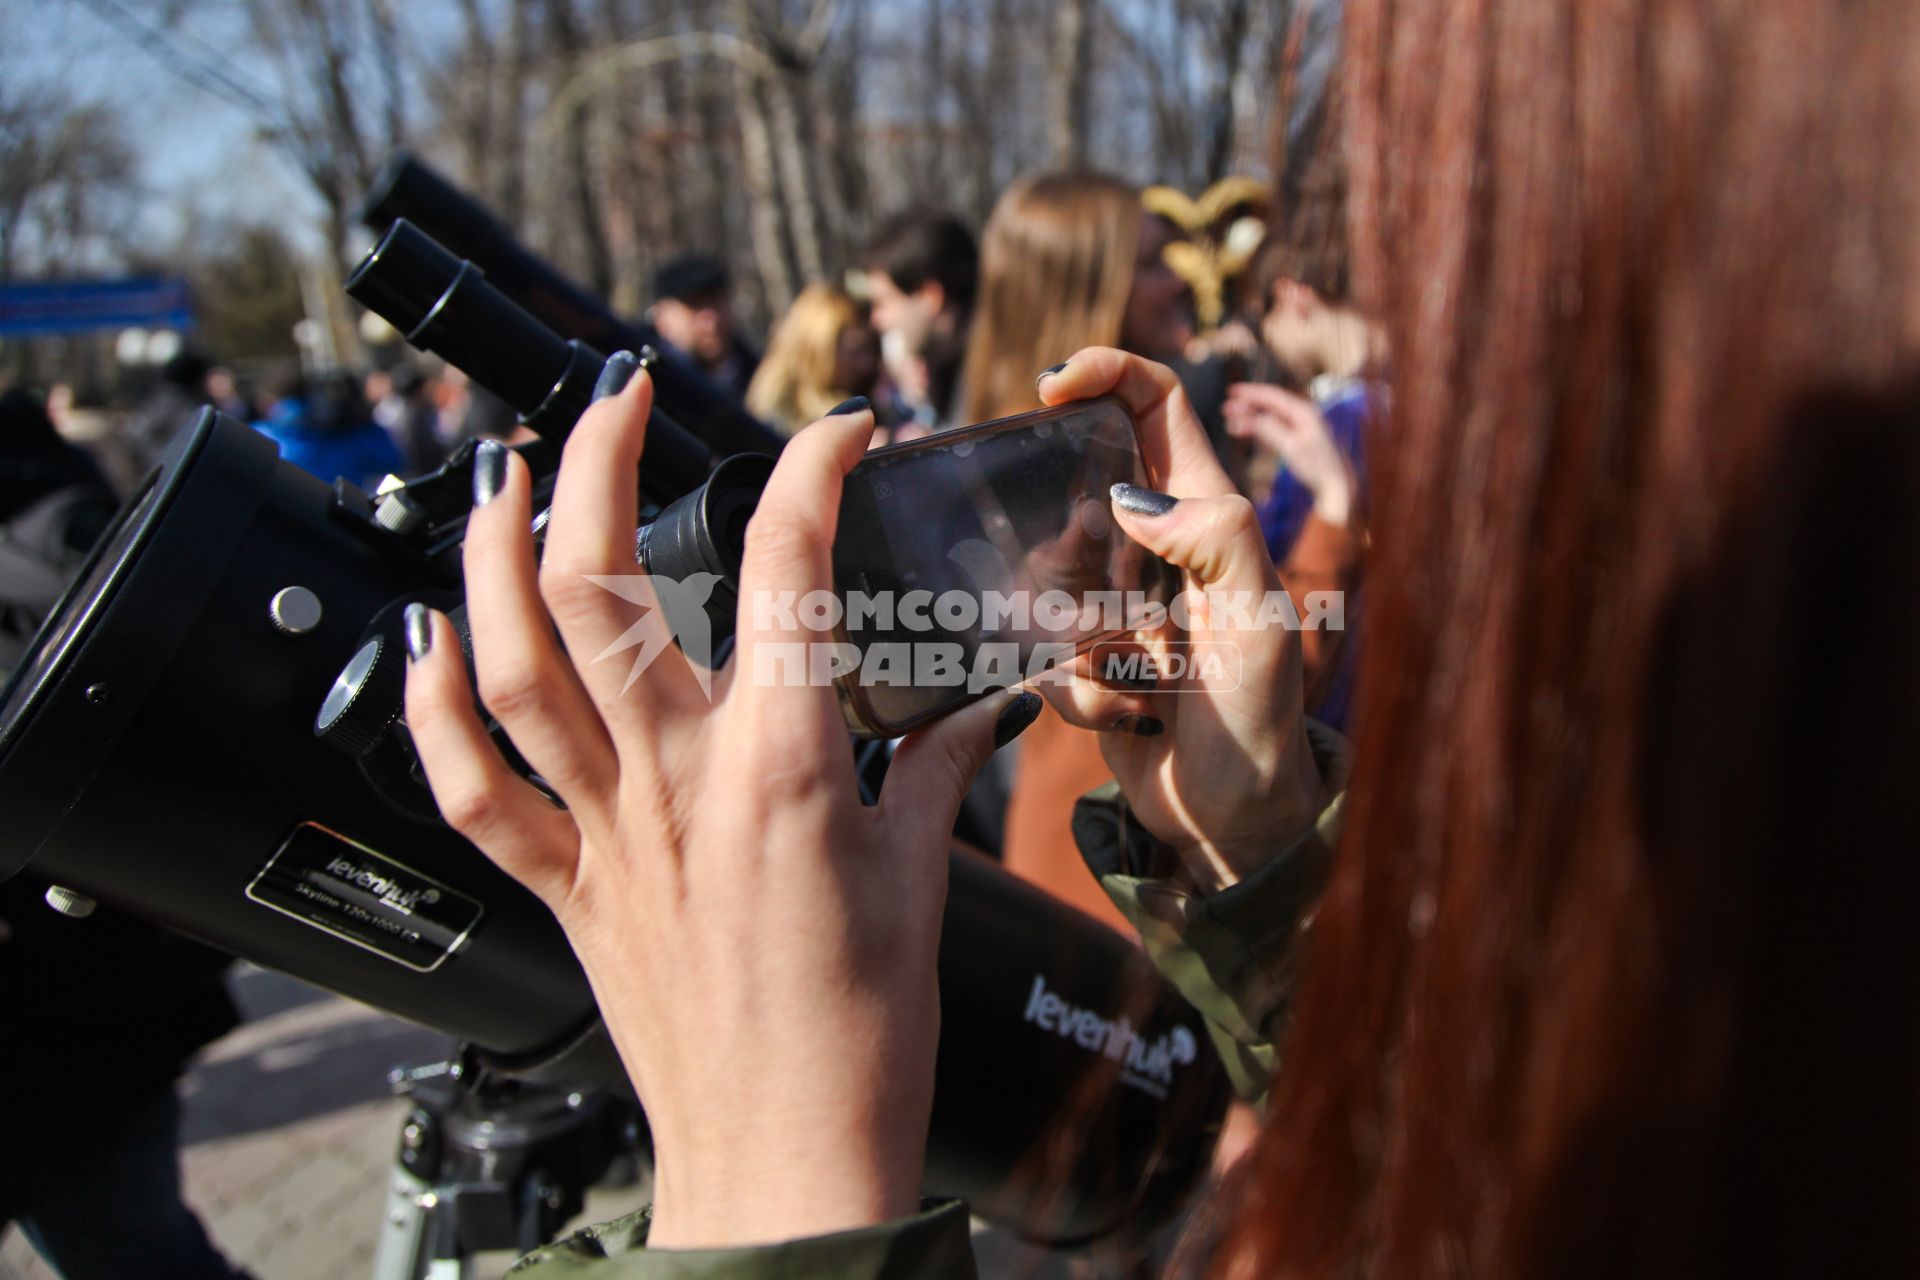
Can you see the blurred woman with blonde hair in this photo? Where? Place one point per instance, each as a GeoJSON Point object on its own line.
{"type": "Point", "coordinates": [824, 351]}
{"type": "Point", "coordinates": [1067, 261]}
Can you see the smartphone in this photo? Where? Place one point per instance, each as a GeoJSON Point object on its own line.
{"type": "Point", "coordinates": [971, 560]}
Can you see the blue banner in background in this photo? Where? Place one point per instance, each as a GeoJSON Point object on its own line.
{"type": "Point", "coordinates": [82, 306]}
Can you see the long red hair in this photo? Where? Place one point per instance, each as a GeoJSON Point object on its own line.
{"type": "Point", "coordinates": [1619, 970]}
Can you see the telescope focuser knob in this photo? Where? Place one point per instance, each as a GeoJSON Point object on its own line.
{"type": "Point", "coordinates": [69, 903]}
{"type": "Point", "coordinates": [397, 513]}
{"type": "Point", "coordinates": [365, 698]}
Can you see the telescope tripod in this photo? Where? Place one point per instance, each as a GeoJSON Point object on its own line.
{"type": "Point", "coordinates": [487, 1162]}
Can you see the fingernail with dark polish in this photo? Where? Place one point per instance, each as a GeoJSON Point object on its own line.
{"type": "Point", "coordinates": [1139, 726]}
{"type": "Point", "coordinates": [419, 632]}
{"type": "Point", "coordinates": [853, 404]}
{"type": "Point", "coordinates": [489, 471]}
{"type": "Point", "coordinates": [615, 374]}
{"type": "Point", "coordinates": [1015, 718]}
{"type": "Point", "coordinates": [1048, 373]}
{"type": "Point", "coordinates": [1142, 502]}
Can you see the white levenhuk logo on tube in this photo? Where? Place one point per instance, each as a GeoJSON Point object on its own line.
{"type": "Point", "coordinates": [1149, 1064]}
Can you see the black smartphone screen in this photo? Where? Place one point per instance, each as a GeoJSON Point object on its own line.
{"type": "Point", "coordinates": [1013, 515]}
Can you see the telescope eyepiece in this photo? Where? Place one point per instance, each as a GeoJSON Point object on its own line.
{"type": "Point", "coordinates": [444, 304]}
{"type": "Point", "coordinates": [404, 276]}
{"type": "Point", "coordinates": [706, 531]}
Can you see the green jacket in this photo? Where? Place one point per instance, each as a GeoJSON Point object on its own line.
{"type": "Point", "coordinates": [1231, 954]}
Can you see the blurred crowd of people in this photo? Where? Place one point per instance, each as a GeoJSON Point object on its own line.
{"type": "Point", "coordinates": [402, 417]}
{"type": "Point", "coordinates": [937, 327]}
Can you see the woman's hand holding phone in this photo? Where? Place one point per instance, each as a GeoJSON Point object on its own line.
{"type": "Point", "coordinates": [1215, 762]}
{"type": "Point", "coordinates": [762, 946]}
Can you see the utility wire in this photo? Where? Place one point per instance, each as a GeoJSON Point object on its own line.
{"type": "Point", "coordinates": [206, 72]}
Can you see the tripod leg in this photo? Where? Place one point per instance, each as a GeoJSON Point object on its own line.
{"type": "Point", "coordinates": [448, 1257]}
{"type": "Point", "coordinates": [403, 1232]}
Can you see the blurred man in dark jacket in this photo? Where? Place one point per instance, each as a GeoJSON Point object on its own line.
{"type": "Point", "coordinates": [692, 313]}
{"type": "Point", "coordinates": [100, 1015]}
{"type": "Point", "coordinates": [181, 393]}
{"type": "Point", "coordinates": [53, 504]}
{"type": "Point", "coordinates": [97, 1015]}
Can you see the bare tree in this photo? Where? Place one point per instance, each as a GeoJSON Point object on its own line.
{"type": "Point", "coordinates": [611, 133]}
{"type": "Point", "coordinates": [1199, 74]}
{"type": "Point", "coordinates": [578, 189]}
{"type": "Point", "coordinates": [326, 62]}
{"type": "Point", "coordinates": [66, 188]}
{"type": "Point", "coordinates": [478, 98]}
{"type": "Point", "coordinates": [1070, 79]}
{"type": "Point", "coordinates": [783, 72]}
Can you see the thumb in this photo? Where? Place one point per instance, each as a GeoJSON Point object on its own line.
{"type": "Point", "coordinates": [933, 767]}
{"type": "Point", "coordinates": [1217, 540]}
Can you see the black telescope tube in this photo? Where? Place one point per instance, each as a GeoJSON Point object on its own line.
{"type": "Point", "coordinates": [446, 305]}
{"type": "Point", "coordinates": [157, 753]}
{"type": "Point", "coordinates": [408, 189]}
{"type": "Point", "coordinates": [443, 305]}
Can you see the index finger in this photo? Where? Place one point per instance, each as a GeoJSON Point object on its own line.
{"type": "Point", "coordinates": [1264, 395]}
{"type": "Point", "coordinates": [1179, 456]}
{"type": "Point", "coordinates": [789, 544]}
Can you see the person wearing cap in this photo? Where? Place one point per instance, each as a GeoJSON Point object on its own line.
{"type": "Point", "coordinates": [692, 313]}
{"type": "Point", "coordinates": [171, 406]}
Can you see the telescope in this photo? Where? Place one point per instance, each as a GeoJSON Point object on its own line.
{"type": "Point", "coordinates": [208, 732]}
{"type": "Point", "coordinates": [406, 188]}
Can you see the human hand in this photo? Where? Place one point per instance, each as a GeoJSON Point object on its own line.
{"type": "Point", "coordinates": [761, 945]}
{"type": "Point", "coordinates": [1294, 428]}
{"type": "Point", "coordinates": [1231, 339]}
{"type": "Point", "coordinates": [1214, 762]}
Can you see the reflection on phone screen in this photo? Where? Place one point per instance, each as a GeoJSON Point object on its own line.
{"type": "Point", "coordinates": [1006, 514]}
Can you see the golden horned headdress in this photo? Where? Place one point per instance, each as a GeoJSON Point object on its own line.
{"type": "Point", "coordinates": [1224, 229]}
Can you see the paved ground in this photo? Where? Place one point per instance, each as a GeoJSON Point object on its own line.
{"type": "Point", "coordinates": [289, 1136]}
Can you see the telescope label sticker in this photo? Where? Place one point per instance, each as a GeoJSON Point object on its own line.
{"type": "Point", "coordinates": [330, 882]}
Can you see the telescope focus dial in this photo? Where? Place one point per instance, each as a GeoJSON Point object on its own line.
{"type": "Point", "coordinates": [364, 700]}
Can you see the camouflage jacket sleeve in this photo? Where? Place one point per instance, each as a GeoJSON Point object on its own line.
{"type": "Point", "coordinates": [931, 1245]}
{"type": "Point", "coordinates": [1233, 954]}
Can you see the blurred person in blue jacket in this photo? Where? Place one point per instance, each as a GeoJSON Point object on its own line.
{"type": "Point", "coordinates": [325, 426]}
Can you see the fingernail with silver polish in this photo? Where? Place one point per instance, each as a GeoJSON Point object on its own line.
{"type": "Point", "coordinates": [419, 629]}
{"type": "Point", "coordinates": [489, 471]}
{"type": "Point", "coordinates": [615, 374]}
{"type": "Point", "coordinates": [1048, 373]}
{"type": "Point", "coordinates": [852, 404]}
{"type": "Point", "coordinates": [1142, 502]}
{"type": "Point", "coordinates": [1016, 717]}
{"type": "Point", "coordinates": [1139, 726]}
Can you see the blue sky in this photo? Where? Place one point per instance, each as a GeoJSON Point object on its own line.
{"type": "Point", "coordinates": [193, 147]}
